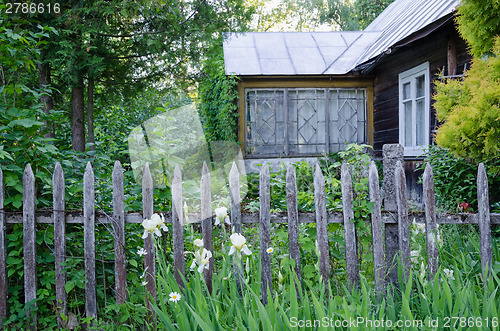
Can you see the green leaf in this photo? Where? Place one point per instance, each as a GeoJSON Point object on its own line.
{"type": "Point", "coordinates": [69, 286]}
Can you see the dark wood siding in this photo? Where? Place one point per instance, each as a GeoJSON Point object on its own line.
{"type": "Point", "coordinates": [432, 48]}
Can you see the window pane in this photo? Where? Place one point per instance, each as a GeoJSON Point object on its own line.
{"type": "Point", "coordinates": [408, 124]}
{"type": "Point", "coordinates": [265, 122]}
{"type": "Point", "coordinates": [406, 91]}
{"type": "Point", "coordinates": [420, 123]}
{"type": "Point", "coordinates": [420, 85]}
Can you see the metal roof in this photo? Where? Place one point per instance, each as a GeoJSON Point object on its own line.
{"type": "Point", "coordinates": [295, 53]}
{"type": "Point", "coordinates": [402, 18]}
{"type": "Point", "coordinates": [329, 53]}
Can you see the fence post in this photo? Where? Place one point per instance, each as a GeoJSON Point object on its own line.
{"type": "Point", "coordinates": [177, 226]}
{"type": "Point", "coordinates": [403, 226]}
{"type": "Point", "coordinates": [293, 218]}
{"type": "Point", "coordinates": [29, 240]}
{"type": "Point", "coordinates": [265, 231]}
{"type": "Point", "coordinates": [392, 153]}
{"type": "Point", "coordinates": [3, 255]}
{"type": "Point", "coordinates": [430, 221]}
{"type": "Point", "coordinates": [89, 241]}
{"type": "Point", "coordinates": [322, 226]}
{"type": "Point", "coordinates": [149, 247]}
{"type": "Point", "coordinates": [206, 223]}
{"type": "Point", "coordinates": [234, 195]}
{"type": "Point", "coordinates": [59, 240]}
{"type": "Point", "coordinates": [351, 255]}
{"type": "Point", "coordinates": [119, 234]}
{"type": "Point", "coordinates": [377, 229]}
{"type": "Point", "coordinates": [483, 209]}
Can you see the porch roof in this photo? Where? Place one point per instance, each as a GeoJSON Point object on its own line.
{"type": "Point", "coordinates": [330, 53]}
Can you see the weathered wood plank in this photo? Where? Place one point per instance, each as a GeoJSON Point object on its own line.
{"type": "Point", "coordinates": [177, 226]}
{"type": "Point", "coordinates": [483, 207]}
{"type": "Point", "coordinates": [59, 241]}
{"type": "Point", "coordinates": [388, 218]}
{"type": "Point", "coordinates": [89, 242]}
{"type": "Point", "coordinates": [403, 224]}
{"type": "Point", "coordinates": [119, 234]}
{"type": "Point", "coordinates": [392, 153]}
{"type": "Point", "coordinates": [206, 224]}
{"type": "Point", "coordinates": [430, 221]}
{"type": "Point", "coordinates": [293, 219]}
{"type": "Point", "coordinates": [29, 240]}
{"type": "Point", "coordinates": [3, 254]}
{"type": "Point", "coordinates": [322, 225]}
{"type": "Point", "coordinates": [234, 197]}
{"type": "Point", "coordinates": [149, 247]}
{"type": "Point", "coordinates": [377, 229]}
{"type": "Point", "coordinates": [351, 254]}
{"type": "Point", "coordinates": [265, 231]}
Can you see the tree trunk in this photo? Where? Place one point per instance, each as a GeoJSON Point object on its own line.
{"type": "Point", "coordinates": [46, 100]}
{"type": "Point", "coordinates": [78, 115]}
{"type": "Point", "coordinates": [90, 113]}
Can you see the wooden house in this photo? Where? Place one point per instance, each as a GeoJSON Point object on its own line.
{"type": "Point", "coordinates": [303, 94]}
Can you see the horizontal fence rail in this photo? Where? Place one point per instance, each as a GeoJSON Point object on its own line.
{"type": "Point", "coordinates": [393, 219]}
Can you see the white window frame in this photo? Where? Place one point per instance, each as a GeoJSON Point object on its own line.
{"type": "Point", "coordinates": [410, 76]}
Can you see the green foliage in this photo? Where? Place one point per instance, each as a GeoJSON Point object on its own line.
{"type": "Point", "coordinates": [479, 24]}
{"type": "Point", "coordinates": [352, 15]}
{"type": "Point", "coordinates": [457, 290]}
{"type": "Point", "coordinates": [358, 161]}
{"type": "Point", "coordinates": [455, 179]}
{"type": "Point", "coordinates": [470, 110]}
{"type": "Point", "coordinates": [218, 103]}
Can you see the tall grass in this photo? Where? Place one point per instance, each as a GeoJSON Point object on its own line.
{"type": "Point", "coordinates": [448, 301]}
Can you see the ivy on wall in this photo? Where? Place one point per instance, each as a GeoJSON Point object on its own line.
{"type": "Point", "coordinates": [218, 103]}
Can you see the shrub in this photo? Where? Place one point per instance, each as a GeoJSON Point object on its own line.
{"type": "Point", "coordinates": [470, 110]}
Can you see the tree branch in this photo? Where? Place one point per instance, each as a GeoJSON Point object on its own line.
{"type": "Point", "coordinates": [130, 35]}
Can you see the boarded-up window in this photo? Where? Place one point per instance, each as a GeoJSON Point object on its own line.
{"type": "Point", "coordinates": [303, 121]}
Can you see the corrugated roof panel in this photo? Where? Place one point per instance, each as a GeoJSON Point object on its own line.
{"type": "Point", "coordinates": [402, 18]}
{"type": "Point", "coordinates": [301, 53]}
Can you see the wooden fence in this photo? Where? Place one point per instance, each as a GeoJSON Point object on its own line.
{"type": "Point", "coordinates": [394, 223]}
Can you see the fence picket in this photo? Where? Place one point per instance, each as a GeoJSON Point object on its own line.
{"type": "Point", "coordinates": [483, 208]}
{"type": "Point", "coordinates": [293, 219]}
{"type": "Point", "coordinates": [29, 239]}
{"type": "Point", "coordinates": [89, 241]}
{"type": "Point", "coordinates": [119, 234]}
{"type": "Point", "coordinates": [149, 247]}
{"type": "Point", "coordinates": [177, 225]}
{"type": "Point", "coordinates": [234, 196]}
{"type": "Point", "coordinates": [265, 231]}
{"type": "Point", "coordinates": [206, 223]}
{"type": "Point", "coordinates": [351, 254]}
{"type": "Point", "coordinates": [377, 229]}
{"type": "Point", "coordinates": [430, 221]}
{"type": "Point", "coordinates": [3, 255]}
{"type": "Point", "coordinates": [403, 225]}
{"type": "Point", "coordinates": [59, 241]}
{"type": "Point", "coordinates": [392, 153]}
{"type": "Point", "coordinates": [397, 191]}
{"type": "Point", "coordinates": [321, 225]}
